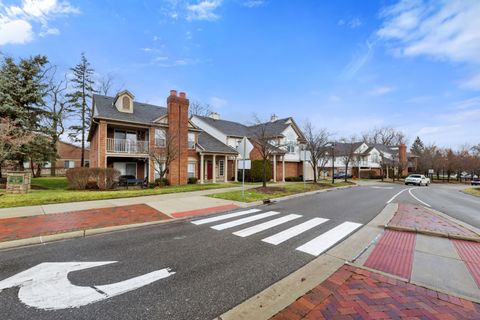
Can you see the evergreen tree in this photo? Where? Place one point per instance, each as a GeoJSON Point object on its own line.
{"type": "Point", "coordinates": [417, 147]}
{"type": "Point", "coordinates": [80, 101]}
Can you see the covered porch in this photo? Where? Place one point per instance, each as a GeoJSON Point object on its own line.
{"type": "Point", "coordinates": [217, 168]}
{"type": "Point", "coordinates": [132, 166]}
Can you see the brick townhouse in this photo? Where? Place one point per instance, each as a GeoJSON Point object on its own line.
{"type": "Point", "coordinates": [124, 132]}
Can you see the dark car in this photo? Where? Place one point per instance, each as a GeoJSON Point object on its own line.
{"type": "Point", "coordinates": [342, 175]}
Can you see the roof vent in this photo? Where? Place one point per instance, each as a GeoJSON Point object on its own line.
{"type": "Point", "coordinates": [273, 118]}
{"type": "Point", "coordinates": [215, 116]}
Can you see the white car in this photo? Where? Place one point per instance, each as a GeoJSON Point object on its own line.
{"type": "Point", "coordinates": [417, 179]}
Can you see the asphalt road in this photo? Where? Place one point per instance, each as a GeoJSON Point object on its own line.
{"type": "Point", "coordinates": [214, 269]}
{"type": "Point", "coordinates": [447, 199]}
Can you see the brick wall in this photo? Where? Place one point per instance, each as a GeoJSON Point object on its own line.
{"type": "Point", "coordinates": [178, 131]}
{"type": "Point", "coordinates": [102, 146]}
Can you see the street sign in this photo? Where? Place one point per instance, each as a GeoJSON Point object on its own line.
{"type": "Point", "coordinates": [431, 171]}
{"type": "Point", "coordinates": [248, 164]}
{"type": "Point", "coordinates": [242, 146]}
{"type": "Point", "coordinates": [46, 286]}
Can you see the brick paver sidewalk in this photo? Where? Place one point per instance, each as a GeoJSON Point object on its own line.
{"type": "Point", "coordinates": [354, 293]}
{"type": "Point", "coordinates": [417, 218]}
{"type": "Point", "coordinates": [41, 225]}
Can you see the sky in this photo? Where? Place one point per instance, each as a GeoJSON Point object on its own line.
{"type": "Point", "coordinates": [348, 66]}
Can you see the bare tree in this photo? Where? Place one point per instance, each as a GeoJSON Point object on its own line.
{"type": "Point", "coordinates": [59, 110]}
{"type": "Point", "coordinates": [263, 142]}
{"type": "Point", "coordinates": [316, 141]}
{"type": "Point", "coordinates": [386, 135]}
{"type": "Point", "coordinates": [348, 156]}
{"type": "Point", "coordinates": [106, 83]}
{"type": "Point", "coordinates": [197, 108]}
{"type": "Point", "coordinates": [163, 153]}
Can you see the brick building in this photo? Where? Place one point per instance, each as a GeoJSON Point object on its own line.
{"type": "Point", "coordinates": [124, 134]}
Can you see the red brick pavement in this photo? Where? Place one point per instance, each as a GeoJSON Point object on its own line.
{"type": "Point", "coordinates": [420, 218]}
{"type": "Point", "coordinates": [354, 293]}
{"type": "Point", "coordinates": [394, 253]}
{"type": "Point", "coordinates": [28, 227]}
{"type": "Point", "coordinates": [469, 252]}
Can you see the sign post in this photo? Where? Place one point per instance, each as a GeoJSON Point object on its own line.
{"type": "Point", "coordinates": [242, 149]}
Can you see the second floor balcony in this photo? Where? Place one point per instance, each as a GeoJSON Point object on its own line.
{"type": "Point", "coordinates": [127, 146]}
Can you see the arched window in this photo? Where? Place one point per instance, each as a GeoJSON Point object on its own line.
{"type": "Point", "coordinates": [126, 103]}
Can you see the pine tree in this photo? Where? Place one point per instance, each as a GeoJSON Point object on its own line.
{"type": "Point", "coordinates": [417, 147]}
{"type": "Point", "coordinates": [80, 101]}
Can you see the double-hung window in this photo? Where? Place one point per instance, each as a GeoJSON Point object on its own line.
{"type": "Point", "coordinates": [221, 168]}
{"type": "Point", "coordinates": [191, 169]}
{"type": "Point", "coordinates": [191, 140]}
{"type": "Point", "coordinates": [160, 138]}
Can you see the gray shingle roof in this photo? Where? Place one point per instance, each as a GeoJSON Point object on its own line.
{"type": "Point", "coordinates": [231, 128]}
{"type": "Point", "coordinates": [211, 144]}
{"type": "Point", "coordinates": [142, 112]}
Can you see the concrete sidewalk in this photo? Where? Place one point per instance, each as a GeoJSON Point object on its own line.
{"type": "Point", "coordinates": [165, 203]}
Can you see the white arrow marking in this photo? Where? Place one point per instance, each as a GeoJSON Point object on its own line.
{"type": "Point", "coordinates": [46, 286]}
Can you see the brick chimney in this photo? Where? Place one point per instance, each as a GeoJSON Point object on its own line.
{"type": "Point", "coordinates": [402, 157]}
{"type": "Point", "coordinates": [177, 108]}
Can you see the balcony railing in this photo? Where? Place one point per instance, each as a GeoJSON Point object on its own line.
{"type": "Point", "coordinates": [127, 146]}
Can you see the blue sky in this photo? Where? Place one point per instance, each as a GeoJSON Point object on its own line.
{"type": "Point", "coordinates": [348, 66]}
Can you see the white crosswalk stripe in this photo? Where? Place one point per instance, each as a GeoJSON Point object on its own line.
{"type": "Point", "coordinates": [238, 222]}
{"type": "Point", "coordinates": [294, 231]}
{"type": "Point", "coordinates": [225, 216]}
{"type": "Point", "coordinates": [329, 238]}
{"type": "Point", "coordinates": [266, 225]}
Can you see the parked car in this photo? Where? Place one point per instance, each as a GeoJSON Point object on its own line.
{"type": "Point", "coordinates": [342, 175]}
{"type": "Point", "coordinates": [417, 179]}
{"type": "Point", "coordinates": [475, 182]}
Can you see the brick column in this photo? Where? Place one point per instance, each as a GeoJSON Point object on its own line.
{"type": "Point", "coordinates": [102, 145]}
{"type": "Point", "coordinates": [178, 133]}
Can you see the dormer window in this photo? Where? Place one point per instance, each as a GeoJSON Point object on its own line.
{"type": "Point", "coordinates": [126, 103]}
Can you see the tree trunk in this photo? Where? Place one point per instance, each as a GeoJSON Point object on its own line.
{"type": "Point", "coordinates": [264, 182]}
{"type": "Point", "coordinates": [39, 171]}
{"type": "Point", "coordinates": [314, 174]}
{"type": "Point", "coordinates": [346, 170]}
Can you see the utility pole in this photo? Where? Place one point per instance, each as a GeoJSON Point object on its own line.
{"type": "Point", "coordinates": [333, 162]}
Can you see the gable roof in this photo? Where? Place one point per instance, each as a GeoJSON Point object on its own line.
{"type": "Point", "coordinates": [208, 143]}
{"type": "Point", "coordinates": [231, 128]}
{"type": "Point", "coordinates": [142, 112]}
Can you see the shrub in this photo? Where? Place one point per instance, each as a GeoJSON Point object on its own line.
{"type": "Point", "coordinates": [192, 180]}
{"type": "Point", "coordinates": [161, 182]}
{"type": "Point", "coordinates": [78, 178]}
{"type": "Point", "coordinates": [293, 179]}
{"type": "Point", "coordinates": [92, 178]}
{"type": "Point", "coordinates": [255, 174]}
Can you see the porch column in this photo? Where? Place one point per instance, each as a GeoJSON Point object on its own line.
{"type": "Point", "coordinates": [274, 168]}
{"type": "Point", "coordinates": [236, 169]}
{"type": "Point", "coordinates": [202, 169]}
{"type": "Point", "coordinates": [225, 169]}
{"type": "Point", "coordinates": [214, 169]}
{"type": "Point", "coordinates": [283, 168]}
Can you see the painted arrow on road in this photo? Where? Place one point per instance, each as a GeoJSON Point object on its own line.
{"type": "Point", "coordinates": [46, 286]}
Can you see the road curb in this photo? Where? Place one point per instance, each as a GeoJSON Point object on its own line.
{"type": "Point", "coordinates": [432, 233]}
{"type": "Point", "coordinates": [281, 294]}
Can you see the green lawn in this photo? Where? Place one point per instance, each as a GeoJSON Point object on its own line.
{"type": "Point", "coordinates": [272, 192]}
{"type": "Point", "coordinates": [58, 193]}
{"type": "Point", "coordinates": [50, 183]}
{"type": "Point", "coordinates": [474, 191]}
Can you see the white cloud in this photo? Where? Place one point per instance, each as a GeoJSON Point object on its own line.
{"type": "Point", "coordinates": [447, 30]}
{"type": "Point", "coordinates": [467, 104]}
{"type": "Point", "coordinates": [218, 102]}
{"type": "Point", "coordinates": [253, 3]}
{"type": "Point", "coordinates": [379, 91]}
{"type": "Point", "coordinates": [17, 22]}
{"type": "Point", "coordinates": [471, 84]}
{"type": "Point", "coordinates": [358, 61]}
{"type": "Point", "coordinates": [352, 23]}
{"type": "Point", "coordinates": [203, 10]}
{"type": "Point", "coordinates": [15, 32]}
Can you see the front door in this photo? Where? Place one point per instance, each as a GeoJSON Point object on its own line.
{"type": "Point", "coordinates": [209, 170]}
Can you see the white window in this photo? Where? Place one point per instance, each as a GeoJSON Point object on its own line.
{"type": "Point", "coordinates": [160, 137]}
{"type": "Point", "coordinates": [191, 169]}
{"type": "Point", "coordinates": [221, 168]}
{"type": "Point", "coordinates": [191, 140]}
{"type": "Point", "coordinates": [68, 164]}
{"type": "Point", "coordinates": [290, 146]}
